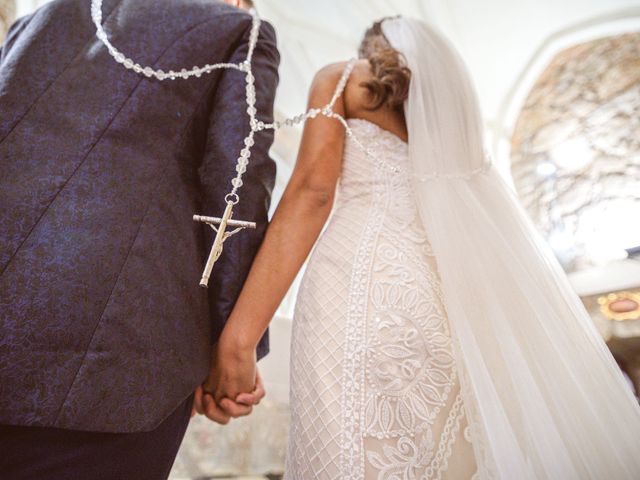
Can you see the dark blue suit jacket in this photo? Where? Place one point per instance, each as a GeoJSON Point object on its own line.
{"type": "Point", "coordinates": [103, 326]}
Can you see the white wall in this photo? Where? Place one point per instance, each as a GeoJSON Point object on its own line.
{"type": "Point", "coordinates": [24, 7]}
{"type": "Point", "coordinates": [499, 39]}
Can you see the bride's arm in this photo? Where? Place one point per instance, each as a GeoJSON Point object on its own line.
{"type": "Point", "coordinates": [296, 225]}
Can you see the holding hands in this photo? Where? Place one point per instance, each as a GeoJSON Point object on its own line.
{"type": "Point", "coordinates": [233, 386]}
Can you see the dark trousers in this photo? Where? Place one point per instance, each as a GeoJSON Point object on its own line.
{"type": "Point", "coordinates": [56, 454]}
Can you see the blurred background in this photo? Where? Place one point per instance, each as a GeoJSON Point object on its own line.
{"type": "Point", "coordinates": [559, 84]}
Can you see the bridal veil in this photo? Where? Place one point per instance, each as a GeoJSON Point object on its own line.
{"type": "Point", "coordinates": [544, 397]}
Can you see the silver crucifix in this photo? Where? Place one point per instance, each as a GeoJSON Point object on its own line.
{"type": "Point", "coordinates": [221, 236]}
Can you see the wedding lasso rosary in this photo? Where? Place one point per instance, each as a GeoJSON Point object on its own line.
{"type": "Point", "coordinates": [222, 224]}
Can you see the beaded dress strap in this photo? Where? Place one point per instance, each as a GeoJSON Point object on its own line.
{"type": "Point", "coordinates": [343, 82]}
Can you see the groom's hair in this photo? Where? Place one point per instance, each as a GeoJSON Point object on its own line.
{"type": "Point", "coordinates": [248, 4]}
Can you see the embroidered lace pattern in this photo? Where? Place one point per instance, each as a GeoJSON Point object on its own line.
{"type": "Point", "coordinates": [375, 388]}
{"type": "Point", "coordinates": [400, 376]}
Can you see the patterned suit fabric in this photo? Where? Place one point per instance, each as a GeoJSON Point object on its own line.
{"type": "Point", "coordinates": [102, 324]}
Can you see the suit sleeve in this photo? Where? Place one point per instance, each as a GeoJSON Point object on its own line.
{"type": "Point", "coordinates": [14, 32]}
{"type": "Point", "coordinates": [228, 127]}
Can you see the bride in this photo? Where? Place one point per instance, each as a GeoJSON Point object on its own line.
{"type": "Point", "coordinates": [435, 337]}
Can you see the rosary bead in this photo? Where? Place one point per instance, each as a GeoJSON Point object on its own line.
{"type": "Point", "coordinates": [250, 91]}
{"type": "Point", "coordinates": [245, 66]}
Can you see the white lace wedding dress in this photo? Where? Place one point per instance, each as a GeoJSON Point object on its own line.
{"type": "Point", "coordinates": [384, 339]}
{"type": "Point", "coordinates": [374, 388]}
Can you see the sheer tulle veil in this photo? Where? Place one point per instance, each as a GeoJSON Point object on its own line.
{"type": "Point", "coordinates": [544, 397]}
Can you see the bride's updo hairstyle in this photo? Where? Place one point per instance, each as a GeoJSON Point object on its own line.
{"type": "Point", "coordinates": [390, 83]}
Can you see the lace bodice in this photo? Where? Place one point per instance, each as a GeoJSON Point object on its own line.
{"type": "Point", "coordinates": [358, 179]}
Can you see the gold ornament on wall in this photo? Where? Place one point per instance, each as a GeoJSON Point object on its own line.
{"type": "Point", "coordinates": [620, 306]}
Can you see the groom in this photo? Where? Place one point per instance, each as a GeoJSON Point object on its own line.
{"type": "Point", "coordinates": [104, 332]}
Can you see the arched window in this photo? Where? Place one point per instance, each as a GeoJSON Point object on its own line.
{"type": "Point", "coordinates": [576, 151]}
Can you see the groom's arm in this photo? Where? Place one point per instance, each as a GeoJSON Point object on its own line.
{"type": "Point", "coordinates": [228, 127]}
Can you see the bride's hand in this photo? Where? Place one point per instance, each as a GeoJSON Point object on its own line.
{"type": "Point", "coordinates": [233, 385]}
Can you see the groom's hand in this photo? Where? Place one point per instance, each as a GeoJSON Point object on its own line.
{"type": "Point", "coordinates": [208, 408]}
{"type": "Point", "coordinates": [204, 404]}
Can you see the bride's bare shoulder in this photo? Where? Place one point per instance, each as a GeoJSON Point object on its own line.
{"type": "Point", "coordinates": [328, 76]}
{"type": "Point", "coordinates": [326, 80]}
{"type": "Point", "coordinates": [331, 73]}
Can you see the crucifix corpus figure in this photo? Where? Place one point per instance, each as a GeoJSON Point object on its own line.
{"type": "Point", "coordinates": [221, 235]}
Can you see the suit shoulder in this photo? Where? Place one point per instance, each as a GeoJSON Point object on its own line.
{"type": "Point", "coordinates": [242, 17]}
{"type": "Point", "coordinates": [238, 20]}
{"type": "Point", "coordinates": [206, 10]}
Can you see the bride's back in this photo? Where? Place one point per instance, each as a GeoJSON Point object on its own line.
{"type": "Point", "coordinates": [374, 160]}
{"type": "Point", "coordinates": [379, 84]}
{"type": "Point", "coordinates": [371, 351]}
{"type": "Point", "coordinates": [358, 102]}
